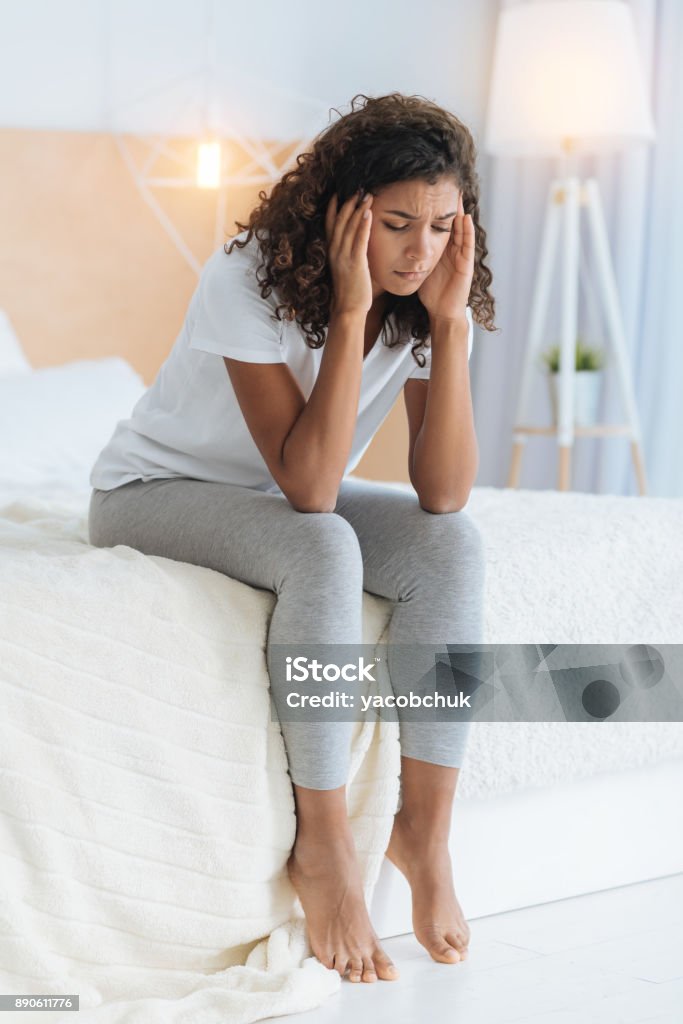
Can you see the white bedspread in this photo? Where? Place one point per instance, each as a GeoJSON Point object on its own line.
{"type": "Point", "coordinates": [146, 812]}
{"type": "Point", "coordinates": [145, 807]}
{"type": "Point", "coordinates": [575, 568]}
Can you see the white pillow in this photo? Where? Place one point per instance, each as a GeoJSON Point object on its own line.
{"type": "Point", "coordinates": [55, 421]}
{"type": "Point", "coordinates": [12, 357]}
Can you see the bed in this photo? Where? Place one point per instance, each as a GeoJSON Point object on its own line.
{"type": "Point", "coordinates": [146, 813]}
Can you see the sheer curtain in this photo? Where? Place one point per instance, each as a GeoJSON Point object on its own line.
{"type": "Point", "coordinates": [641, 190]}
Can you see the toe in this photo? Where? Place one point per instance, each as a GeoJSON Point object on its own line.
{"type": "Point", "coordinates": [386, 970]}
{"type": "Point", "coordinates": [341, 962]}
{"type": "Point", "coordinates": [445, 953]}
{"type": "Point", "coordinates": [458, 940]}
{"type": "Point", "coordinates": [438, 941]}
{"type": "Point", "coordinates": [327, 960]}
{"type": "Point", "coordinates": [355, 968]}
{"type": "Point", "coordinates": [369, 972]}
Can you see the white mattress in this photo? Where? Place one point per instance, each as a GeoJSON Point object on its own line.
{"type": "Point", "coordinates": [561, 568]}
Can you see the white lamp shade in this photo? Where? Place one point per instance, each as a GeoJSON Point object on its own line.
{"type": "Point", "coordinates": [566, 69]}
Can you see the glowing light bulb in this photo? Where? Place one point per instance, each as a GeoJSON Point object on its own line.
{"type": "Point", "coordinates": [209, 165]}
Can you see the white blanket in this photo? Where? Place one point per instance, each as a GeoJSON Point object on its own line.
{"type": "Point", "coordinates": [145, 807]}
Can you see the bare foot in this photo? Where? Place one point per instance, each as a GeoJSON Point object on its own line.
{"type": "Point", "coordinates": [438, 921]}
{"type": "Point", "coordinates": [327, 880]}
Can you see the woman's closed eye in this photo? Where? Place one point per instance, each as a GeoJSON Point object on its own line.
{"type": "Point", "coordinates": [394, 228]}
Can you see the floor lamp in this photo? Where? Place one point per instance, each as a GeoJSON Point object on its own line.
{"type": "Point", "coordinates": [567, 80]}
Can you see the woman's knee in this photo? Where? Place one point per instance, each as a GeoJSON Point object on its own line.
{"type": "Point", "coordinates": [451, 536]}
{"type": "Point", "coordinates": [446, 555]}
{"type": "Point", "coordinates": [329, 542]}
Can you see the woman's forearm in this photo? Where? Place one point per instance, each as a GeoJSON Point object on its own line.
{"type": "Point", "coordinates": [445, 455]}
{"type": "Point", "coordinates": [317, 448]}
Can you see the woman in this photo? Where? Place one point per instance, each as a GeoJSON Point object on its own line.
{"type": "Point", "coordinates": [229, 466]}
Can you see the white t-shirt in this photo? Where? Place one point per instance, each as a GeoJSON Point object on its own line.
{"type": "Point", "coordinates": [188, 423]}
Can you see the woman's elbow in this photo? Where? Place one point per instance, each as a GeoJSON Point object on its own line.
{"type": "Point", "coordinates": [443, 506]}
{"type": "Point", "coordinates": [312, 502]}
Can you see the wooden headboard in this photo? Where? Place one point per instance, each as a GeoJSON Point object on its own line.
{"type": "Point", "coordinates": [86, 270]}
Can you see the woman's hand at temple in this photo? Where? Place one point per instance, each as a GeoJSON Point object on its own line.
{"type": "Point", "coordinates": [445, 293]}
{"type": "Point", "coordinates": [347, 233]}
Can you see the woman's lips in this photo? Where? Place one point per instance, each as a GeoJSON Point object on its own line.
{"type": "Point", "coordinates": [411, 275]}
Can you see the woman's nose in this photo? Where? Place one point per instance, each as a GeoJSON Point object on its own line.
{"type": "Point", "coordinates": [419, 247]}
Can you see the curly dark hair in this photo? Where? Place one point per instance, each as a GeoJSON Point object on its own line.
{"type": "Point", "coordinates": [384, 140]}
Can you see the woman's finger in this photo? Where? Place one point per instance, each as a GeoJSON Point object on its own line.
{"type": "Point", "coordinates": [363, 221]}
{"type": "Point", "coordinates": [330, 215]}
{"type": "Point", "coordinates": [339, 217]}
{"type": "Point", "coordinates": [353, 222]}
{"type": "Point", "coordinates": [468, 235]}
{"type": "Point", "coordinates": [457, 228]}
{"type": "Point", "coordinates": [360, 243]}
{"type": "Point", "coordinates": [335, 216]}
{"type": "Point", "coordinates": [344, 215]}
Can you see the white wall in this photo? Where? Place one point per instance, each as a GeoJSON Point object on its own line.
{"type": "Point", "coordinates": [64, 64]}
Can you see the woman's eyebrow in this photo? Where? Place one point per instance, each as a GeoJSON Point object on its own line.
{"type": "Point", "coordinates": [410, 216]}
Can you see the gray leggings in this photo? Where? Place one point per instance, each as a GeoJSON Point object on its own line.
{"type": "Point", "coordinates": [431, 567]}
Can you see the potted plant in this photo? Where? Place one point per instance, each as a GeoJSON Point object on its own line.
{"type": "Point", "coordinates": [588, 376]}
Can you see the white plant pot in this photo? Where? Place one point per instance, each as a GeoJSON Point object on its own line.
{"type": "Point", "coordinates": [587, 384]}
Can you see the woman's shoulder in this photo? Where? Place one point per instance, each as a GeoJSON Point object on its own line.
{"type": "Point", "coordinates": [236, 255]}
{"type": "Point", "coordinates": [235, 268]}
{"type": "Point", "coordinates": [228, 283]}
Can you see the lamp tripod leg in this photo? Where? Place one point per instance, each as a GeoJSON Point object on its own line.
{"type": "Point", "coordinates": [616, 332]}
{"type": "Point", "coordinates": [639, 467]}
{"type": "Point", "coordinates": [569, 299]}
{"type": "Point", "coordinates": [565, 467]}
{"type": "Point", "coordinates": [539, 307]}
{"type": "Point", "coordinates": [515, 464]}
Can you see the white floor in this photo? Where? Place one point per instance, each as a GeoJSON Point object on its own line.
{"type": "Point", "coordinates": [612, 957]}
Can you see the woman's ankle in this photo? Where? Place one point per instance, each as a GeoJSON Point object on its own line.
{"type": "Point", "coordinates": [322, 817]}
{"type": "Point", "coordinates": [424, 830]}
